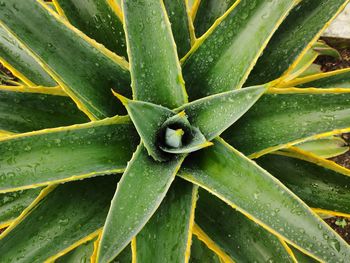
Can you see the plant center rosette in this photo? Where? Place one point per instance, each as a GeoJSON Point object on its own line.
{"type": "Point", "coordinates": [177, 136]}
{"type": "Point", "coordinates": [164, 132]}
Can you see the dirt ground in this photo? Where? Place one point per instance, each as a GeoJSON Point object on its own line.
{"type": "Point", "coordinates": [343, 228]}
{"type": "Point", "coordinates": [339, 224]}
{"type": "Point", "coordinates": [5, 75]}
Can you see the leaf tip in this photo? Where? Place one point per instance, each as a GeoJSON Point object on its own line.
{"type": "Point", "coordinates": [182, 114]}
{"type": "Point", "coordinates": [207, 144]}
{"type": "Point", "coordinates": [120, 97]}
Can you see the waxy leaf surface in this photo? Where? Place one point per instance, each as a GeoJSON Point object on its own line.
{"type": "Point", "coordinates": [208, 11]}
{"type": "Point", "coordinates": [62, 218]}
{"type": "Point", "coordinates": [302, 26]}
{"type": "Point", "coordinates": [334, 79]}
{"type": "Point", "coordinates": [223, 58]}
{"type": "Point", "coordinates": [180, 25]}
{"type": "Point", "coordinates": [12, 204]}
{"type": "Point", "coordinates": [65, 154]}
{"type": "Point", "coordinates": [318, 186]}
{"type": "Point", "coordinates": [81, 253]}
{"type": "Point", "coordinates": [167, 235]}
{"type": "Point", "coordinates": [27, 111]}
{"type": "Point", "coordinates": [214, 114]}
{"type": "Point", "coordinates": [21, 62]}
{"type": "Point", "coordinates": [279, 119]}
{"type": "Point", "coordinates": [155, 69]}
{"type": "Point", "coordinates": [142, 188]}
{"type": "Point", "coordinates": [241, 238]}
{"type": "Point", "coordinates": [325, 147]}
{"type": "Point", "coordinates": [200, 253]}
{"type": "Point", "coordinates": [84, 69]}
{"type": "Point", "coordinates": [254, 192]}
{"type": "Point", "coordinates": [99, 20]}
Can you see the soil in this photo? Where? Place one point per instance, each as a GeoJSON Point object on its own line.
{"type": "Point", "coordinates": [344, 159]}
{"type": "Point", "coordinates": [339, 224]}
{"type": "Point", "coordinates": [6, 71]}
{"type": "Point", "coordinates": [342, 228]}
{"type": "Point", "coordinates": [329, 63]}
{"type": "Point", "coordinates": [5, 75]}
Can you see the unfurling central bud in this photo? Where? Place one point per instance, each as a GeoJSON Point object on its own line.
{"type": "Point", "coordinates": [173, 138]}
{"type": "Point", "coordinates": [164, 133]}
{"type": "Point", "coordinates": [178, 136]}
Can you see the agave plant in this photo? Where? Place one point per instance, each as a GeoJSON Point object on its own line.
{"type": "Point", "coordinates": [152, 131]}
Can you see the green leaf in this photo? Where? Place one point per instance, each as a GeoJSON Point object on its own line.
{"type": "Point", "coordinates": [301, 257]}
{"type": "Point", "coordinates": [202, 236]}
{"type": "Point", "coordinates": [155, 69]}
{"type": "Point", "coordinates": [334, 79]}
{"type": "Point", "coordinates": [325, 147]}
{"type": "Point", "coordinates": [242, 184]}
{"type": "Point", "coordinates": [23, 109]}
{"type": "Point", "coordinates": [153, 122]}
{"type": "Point", "coordinates": [148, 118]}
{"type": "Point", "coordinates": [63, 154]}
{"type": "Point", "coordinates": [305, 62]}
{"type": "Point", "coordinates": [6, 79]}
{"type": "Point", "coordinates": [180, 25]}
{"type": "Point", "coordinates": [279, 119]}
{"type": "Point", "coordinates": [124, 257]}
{"type": "Point", "coordinates": [319, 48]}
{"type": "Point", "coordinates": [294, 37]}
{"type": "Point", "coordinates": [68, 216]}
{"type": "Point", "coordinates": [200, 253]}
{"type": "Point", "coordinates": [140, 191]}
{"type": "Point", "coordinates": [20, 61]}
{"type": "Point", "coordinates": [323, 49]}
{"type": "Point", "coordinates": [51, 5]}
{"type": "Point", "coordinates": [12, 204]}
{"type": "Point", "coordinates": [98, 19]}
{"type": "Point", "coordinates": [167, 235]}
{"type": "Point", "coordinates": [222, 59]}
{"type": "Point", "coordinates": [81, 253]}
{"type": "Point", "coordinates": [208, 11]}
{"type": "Point", "coordinates": [55, 42]}
{"type": "Point", "coordinates": [191, 3]}
{"type": "Point", "coordinates": [311, 70]}
{"type": "Point", "coordinates": [320, 187]}
{"type": "Point", "coordinates": [241, 239]}
{"type": "Point", "coordinates": [214, 114]}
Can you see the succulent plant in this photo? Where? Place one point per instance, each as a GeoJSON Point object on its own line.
{"type": "Point", "coordinates": [152, 131]}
